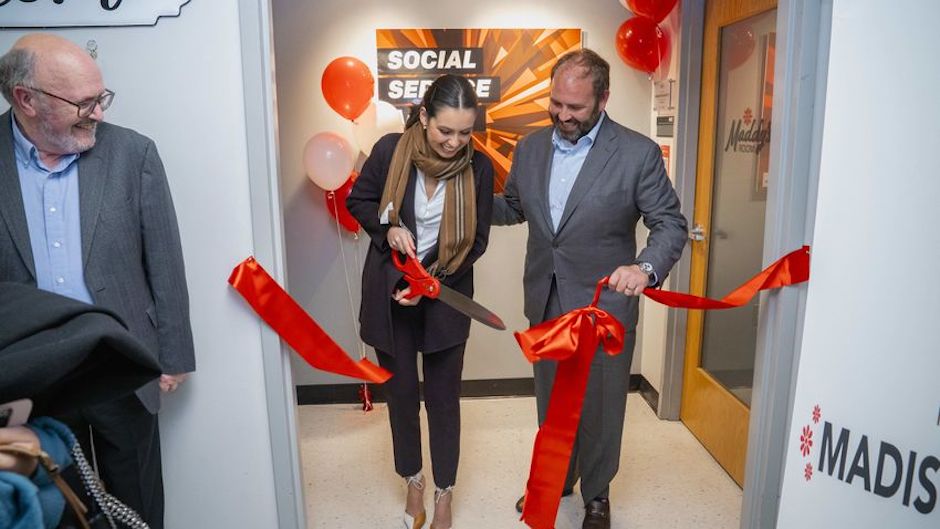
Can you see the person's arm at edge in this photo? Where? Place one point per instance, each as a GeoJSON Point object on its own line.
{"type": "Point", "coordinates": [507, 206]}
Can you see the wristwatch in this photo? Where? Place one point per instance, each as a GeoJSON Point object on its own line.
{"type": "Point", "coordinates": [647, 269]}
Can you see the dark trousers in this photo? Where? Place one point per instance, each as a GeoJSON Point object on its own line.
{"type": "Point", "coordinates": [595, 457]}
{"type": "Point", "coordinates": [442, 372]}
{"type": "Point", "coordinates": [127, 450]}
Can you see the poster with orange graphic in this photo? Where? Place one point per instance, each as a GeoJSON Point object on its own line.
{"type": "Point", "coordinates": [509, 68]}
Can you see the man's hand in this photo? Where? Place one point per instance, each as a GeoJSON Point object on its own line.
{"type": "Point", "coordinates": [25, 438]}
{"type": "Point", "coordinates": [169, 383]}
{"type": "Point", "coordinates": [628, 280]}
{"type": "Point", "coordinates": [399, 296]}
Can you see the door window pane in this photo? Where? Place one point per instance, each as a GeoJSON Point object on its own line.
{"type": "Point", "coordinates": [739, 195]}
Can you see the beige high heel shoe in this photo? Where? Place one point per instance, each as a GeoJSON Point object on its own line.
{"type": "Point", "coordinates": [438, 495]}
{"type": "Point", "coordinates": [414, 522]}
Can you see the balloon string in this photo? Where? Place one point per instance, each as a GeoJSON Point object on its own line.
{"type": "Point", "coordinates": [358, 259]}
{"type": "Point", "coordinates": [349, 296]}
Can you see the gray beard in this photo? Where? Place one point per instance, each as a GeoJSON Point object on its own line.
{"type": "Point", "coordinates": [68, 144]}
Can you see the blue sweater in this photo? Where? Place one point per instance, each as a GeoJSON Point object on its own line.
{"type": "Point", "coordinates": [34, 503]}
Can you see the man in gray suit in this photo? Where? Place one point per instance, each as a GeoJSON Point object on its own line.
{"type": "Point", "coordinates": [582, 184]}
{"type": "Point", "coordinates": [85, 211]}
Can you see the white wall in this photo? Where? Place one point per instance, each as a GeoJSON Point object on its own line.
{"type": "Point", "coordinates": [180, 83]}
{"type": "Point", "coordinates": [308, 35]}
{"type": "Point", "coordinates": [651, 342]}
{"type": "Point", "coordinates": [869, 350]}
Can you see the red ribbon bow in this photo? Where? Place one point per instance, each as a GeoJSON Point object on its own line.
{"type": "Point", "coordinates": [571, 339]}
{"type": "Point", "coordinates": [296, 327]}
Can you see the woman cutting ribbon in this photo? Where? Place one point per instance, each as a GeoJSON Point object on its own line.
{"type": "Point", "coordinates": [427, 194]}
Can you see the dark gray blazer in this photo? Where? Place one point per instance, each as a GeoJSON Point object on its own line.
{"type": "Point", "coordinates": [131, 253]}
{"type": "Point", "coordinates": [622, 180]}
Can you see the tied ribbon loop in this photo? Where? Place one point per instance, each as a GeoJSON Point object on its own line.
{"type": "Point", "coordinates": [296, 327]}
{"type": "Point", "coordinates": [572, 340]}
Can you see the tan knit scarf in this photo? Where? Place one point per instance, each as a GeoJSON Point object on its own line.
{"type": "Point", "coordinates": [459, 221]}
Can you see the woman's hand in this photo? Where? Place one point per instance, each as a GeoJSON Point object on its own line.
{"type": "Point", "coordinates": [399, 296]}
{"type": "Point", "coordinates": [23, 437]}
{"type": "Point", "coordinates": [401, 241]}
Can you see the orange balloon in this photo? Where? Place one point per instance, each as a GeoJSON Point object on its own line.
{"type": "Point", "coordinates": [347, 86]}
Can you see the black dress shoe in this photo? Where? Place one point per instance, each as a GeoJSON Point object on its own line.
{"type": "Point", "coordinates": [597, 514]}
{"type": "Point", "coordinates": [565, 492]}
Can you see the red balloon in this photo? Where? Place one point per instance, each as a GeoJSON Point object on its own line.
{"type": "Point", "coordinates": [347, 86]}
{"type": "Point", "coordinates": [642, 44]}
{"type": "Point", "coordinates": [655, 10]}
{"type": "Point", "coordinates": [738, 46]}
{"type": "Point", "coordinates": [336, 204]}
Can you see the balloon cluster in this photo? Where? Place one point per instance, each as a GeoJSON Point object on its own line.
{"type": "Point", "coordinates": [329, 159]}
{"type": "Point", "coordinates": [641, 41]}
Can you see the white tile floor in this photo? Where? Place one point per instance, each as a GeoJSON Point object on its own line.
{"type": "Point", "coordinates": [666, 480]}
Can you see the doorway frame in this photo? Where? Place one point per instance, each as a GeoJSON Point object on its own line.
{"type": "Point", "coordinates": [799, 103]}
{"type": "Point", "coordinates": [257, 47]}
{"type": "Point", "coordinates": [803, 31]}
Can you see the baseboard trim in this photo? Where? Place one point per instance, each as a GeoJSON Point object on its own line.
{"type": "Point", "coordinates": [496, 387]}
{"type": "Point", "coordinates": [648, 392]}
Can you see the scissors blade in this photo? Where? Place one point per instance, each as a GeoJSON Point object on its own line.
{"type": "Point", "coordinates": [469, 307]}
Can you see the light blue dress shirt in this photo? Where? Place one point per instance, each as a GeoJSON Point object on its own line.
{"type": "Point", "coordinates": [567, 160]}
{"type": "Point", "coordinates": [50, 197]}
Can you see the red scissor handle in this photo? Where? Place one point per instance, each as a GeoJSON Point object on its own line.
{"type": "Point", "coordinates": [420, 281]}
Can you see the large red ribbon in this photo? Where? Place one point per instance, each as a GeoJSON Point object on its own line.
{"type": "Point", "coordinates": [790, 269]}
{"type": "Point", "coordinates": [572, 340]}
{"type": "Point", "coordinates": [296, 327]}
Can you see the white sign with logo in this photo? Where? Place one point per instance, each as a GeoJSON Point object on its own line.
{"type": "Point", "coordinates": [863, 447]}
{"type": "Point", "coordinates": [84, 13]}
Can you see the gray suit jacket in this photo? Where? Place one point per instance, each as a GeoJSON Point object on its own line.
{"type": "Point", "coordinates": [622, 180]}
{"type": "Point", "coordinates": [131, 253]}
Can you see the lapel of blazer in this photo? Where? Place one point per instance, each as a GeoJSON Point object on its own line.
{"type": "Point", "coordinates": [597, 158]}
{"type": "Point", "coordinates": [544, 151]}
{"type": "Point", "coordinates": [12, 210]}
{"type": "Point", "coordinates": [92, 175]}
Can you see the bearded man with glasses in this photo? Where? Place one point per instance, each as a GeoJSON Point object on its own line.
{"type": "Point", "coordinates": [86, 212]}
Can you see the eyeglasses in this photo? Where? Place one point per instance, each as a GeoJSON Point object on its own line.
{"type": "Point", "coordinates": [87, 107]}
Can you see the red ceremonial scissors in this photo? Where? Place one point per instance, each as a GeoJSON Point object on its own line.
{"type": "Point", "coordinates": [423, 284]}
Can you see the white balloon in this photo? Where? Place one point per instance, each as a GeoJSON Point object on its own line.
{"type": "Point", "coordinates": [328, 160]}
{"type": "Point", "coordinates": [379, 119]}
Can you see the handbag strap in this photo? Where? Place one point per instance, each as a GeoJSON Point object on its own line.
{"type": "Point", "coordinates": [52, 468]}
{"type": "Point", "coordinates": [113, 508]}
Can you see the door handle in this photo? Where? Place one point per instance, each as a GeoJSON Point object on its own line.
{"type": "Point", "coordinates": [697, 233]}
